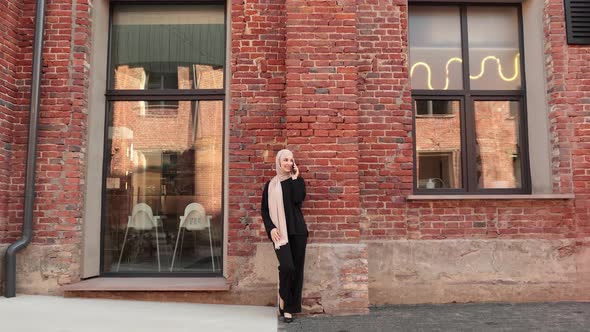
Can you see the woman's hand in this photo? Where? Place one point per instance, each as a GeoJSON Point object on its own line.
{"type": "Point", "coordinates": [295, 172]}
{"type": "Point", "coordinates": [275, 235]}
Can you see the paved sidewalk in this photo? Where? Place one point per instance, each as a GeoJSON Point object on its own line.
{"type": "Point", "coordinates": [26, 313]}
{"type": "Point", "coordinates": [565, 316]}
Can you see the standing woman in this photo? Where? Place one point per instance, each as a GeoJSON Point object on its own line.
{"type": "Point", "coordinates": [281, 212]}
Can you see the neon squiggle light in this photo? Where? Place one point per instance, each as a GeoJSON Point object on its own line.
{"type": "Point", "coordinates": [516, 68]}
{"type": "Point", "coordinates": [427, 72]}
{"type": "Point", "coordinates": [473, 77]}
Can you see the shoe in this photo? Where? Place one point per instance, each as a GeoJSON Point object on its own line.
{"type": "Point", "coordinates": [287, 319]}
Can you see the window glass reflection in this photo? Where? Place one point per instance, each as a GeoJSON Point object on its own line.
{"type": "Point", "coordinates": [164, 186]}
{"type": "Point", "coordinates": [167, 47]}
{"type": "Point", "coordinates": [498, 154]}
{"type": "Point", "coordinates": [435, 48]}
{"type": "Point", "coordinates": [438, 143]}
{"type": "Point", "coordinates": [494, 58]}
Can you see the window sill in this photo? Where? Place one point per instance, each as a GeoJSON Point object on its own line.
{"type": "Point", "coordinates": [488, 197]}
{"type": "Point", "coordinates": [148, 284]}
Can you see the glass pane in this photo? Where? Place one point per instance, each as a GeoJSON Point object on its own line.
{"type": "Point", "coordinates": [435, 48]}
{"type": "Point", "coordinates": [494, 56]}
{"type": "Point", "coordinates": [167, 47]}
{"type": "Point", "coordinates": [438, 143]}
{"type": "Point", "coordinates": [497, 150]}
{"type": "Point", "coordinates": [163, 187]}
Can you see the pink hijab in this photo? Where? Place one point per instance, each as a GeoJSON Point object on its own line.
{"type": "Point", "coordinates": [275, 199]}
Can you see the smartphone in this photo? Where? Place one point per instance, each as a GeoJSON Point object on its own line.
{"type": "Point", "coordinates": [293, 168]}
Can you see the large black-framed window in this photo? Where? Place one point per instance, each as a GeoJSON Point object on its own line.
{"type": "Point", "coordinates": [469, 106]}
{"type": "Point", "coordinates": [162, 210]}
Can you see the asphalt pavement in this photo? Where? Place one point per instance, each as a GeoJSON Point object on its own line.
{"type": "Point", "coordinates": [561, 316]}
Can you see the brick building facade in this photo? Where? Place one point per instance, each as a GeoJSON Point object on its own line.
{"type": "Point", "coordinates": [330, 80]}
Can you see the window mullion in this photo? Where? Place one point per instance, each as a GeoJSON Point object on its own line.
{"type": "Point", "coordinates": [465, 49]}
{"type": "Point", "coordinates": [202, 94]}
{"type": "Point", "coordinates": [470, 145]}
{"type": "Point", "coordinates": [523, 125]}
{"type": "Point", "coordinates": [468, 122]}
{"type": "Point", "coordinates": [524, 146]}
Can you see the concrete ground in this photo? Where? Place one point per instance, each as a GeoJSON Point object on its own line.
{"type": "Point", "coordinates": [570, 317]}
{"type": "Point", "coordinates": [25, 313]}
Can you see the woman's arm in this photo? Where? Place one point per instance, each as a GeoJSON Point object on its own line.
{"type": "Point", "coordinates": [268, 225]}
{"type": "Point", "coordinates": [298, 190]}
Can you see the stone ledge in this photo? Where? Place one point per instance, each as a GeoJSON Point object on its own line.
{"type": "Point", "coordinates": [479, 270]}
{"type": "Point", "coordinates": [489, 197]}
{"type": "Point", "coordinates": [148, 284]}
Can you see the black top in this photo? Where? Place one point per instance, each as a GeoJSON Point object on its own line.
{"type": "Point", "coordinates": [293, 196]}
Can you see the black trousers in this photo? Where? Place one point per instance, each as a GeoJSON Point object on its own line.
{"type": "Point", "coordinates": [291, 258]}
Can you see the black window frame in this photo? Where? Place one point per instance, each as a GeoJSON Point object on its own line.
{"type": "Point", "coordinates": [156, 95]}
{"type": "Point", "coordinates": [467, 97]}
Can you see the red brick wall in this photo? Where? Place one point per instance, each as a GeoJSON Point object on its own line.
{"type": "Point", "coordinates": [62, 129]}
{"type": "Point", "coordinates": [568, 81]}
{"type": "Point", "coordinates": [561, 108]}
{"type": "Point", "coordinates": [322, 113]}
{"type": "Point", "coordinates": [385, 165]}
{"type": "Point", "coordinates": [9, 49]}
{"type": "Point", "coordinates": [257, 114]}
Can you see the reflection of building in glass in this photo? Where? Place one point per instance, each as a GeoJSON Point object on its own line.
{"type": "Point", "coordinates": [496, 127]}
{"type": "Point", "coordinates": [438, 144]}
{"type": "Point", "coordinates": [166, 155]}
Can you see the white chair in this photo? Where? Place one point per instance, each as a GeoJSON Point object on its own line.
{"type": "Point", "coordinates": [141, 219]}
{"type": "Point", "coordinates": [194, 219]}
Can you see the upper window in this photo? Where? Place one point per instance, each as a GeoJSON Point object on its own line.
{"type": "Point", "coordinates": [163, 160]}
{"type": "Point", "coordinates": [468, 99]}
{"type": "Point", "coordinates": [167, 47]}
